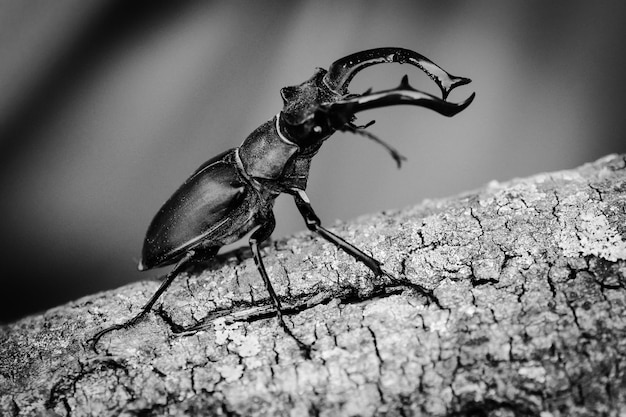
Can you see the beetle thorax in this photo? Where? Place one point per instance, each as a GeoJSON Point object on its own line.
{"type": "Point", "coordinates": [265, 153]}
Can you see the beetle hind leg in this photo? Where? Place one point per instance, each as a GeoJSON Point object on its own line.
{"type": "Point", "coordinates": [148, 306]}
{"type": "Point", "coordinates": [259, 236]}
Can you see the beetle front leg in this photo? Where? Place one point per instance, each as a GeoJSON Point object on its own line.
{"type": "Point", "coordinates": [314, 224]}
{"type": "Point", "coordinates": [259, 236]}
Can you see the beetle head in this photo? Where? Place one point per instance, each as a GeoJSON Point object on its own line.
{"type": "Point", "coordinates": [317, 108]}
{"type": "Point", "coordinates": [302, 119]}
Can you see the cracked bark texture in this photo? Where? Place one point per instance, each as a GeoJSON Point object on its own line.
{"type": "Point", "coordinates": [509, 301]}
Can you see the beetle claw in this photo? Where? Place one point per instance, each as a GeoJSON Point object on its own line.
{"type": "Point", "coordinates": [339, 113]}
{"type": "Point", "coordinates": [404, 82]}
{"type": "Point", "coordinates": [403, 94]}
{"type": "Point", "coordinates": [341, 72]}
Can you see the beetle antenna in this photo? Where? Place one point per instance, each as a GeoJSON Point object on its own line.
{"type": "Point", "coordinates": [360, 130]}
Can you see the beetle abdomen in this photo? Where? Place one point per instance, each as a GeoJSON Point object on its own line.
{"type": "Point", "coordinates": [197, 213]}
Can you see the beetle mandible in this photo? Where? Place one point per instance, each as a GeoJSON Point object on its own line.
{"type": "Point", "coordinates": [233, 193]}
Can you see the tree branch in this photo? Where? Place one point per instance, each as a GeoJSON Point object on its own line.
{"type": "Point", "coordinates": [509, 300]}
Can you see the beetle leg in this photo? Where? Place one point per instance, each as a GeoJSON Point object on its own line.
{"type": "Point", "coordinates": [148, 306]}
{"type": "Point", "coordinates": [314, 224]}
{"type": "Point", "coordinates": [259, 236]}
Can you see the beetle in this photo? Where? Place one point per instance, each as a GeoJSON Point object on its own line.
{"type": "Point", "coordinates": [233, 193]}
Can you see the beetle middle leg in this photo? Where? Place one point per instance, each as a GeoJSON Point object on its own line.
{"type": "Point", "coordinates": [259, 236]}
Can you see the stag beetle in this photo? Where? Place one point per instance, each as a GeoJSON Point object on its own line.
{"type": "Point", "coordinates": [233, 193]}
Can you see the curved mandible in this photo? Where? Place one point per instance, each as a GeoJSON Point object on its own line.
{"type": "Point", "coordinates": [341, 72]}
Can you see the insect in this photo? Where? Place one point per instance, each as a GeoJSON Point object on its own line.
{"type": "Point", "coordinates": [233, 193]}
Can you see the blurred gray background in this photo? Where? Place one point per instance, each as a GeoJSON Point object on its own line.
{"type": "Point", "coordinates": [107, 106]}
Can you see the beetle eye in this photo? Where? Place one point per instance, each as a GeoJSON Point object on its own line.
{"type": "Point", "coordinates": [287, 93]}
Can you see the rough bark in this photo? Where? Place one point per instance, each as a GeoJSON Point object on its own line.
{"type": "Point", "coordinates": [509, 300]}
